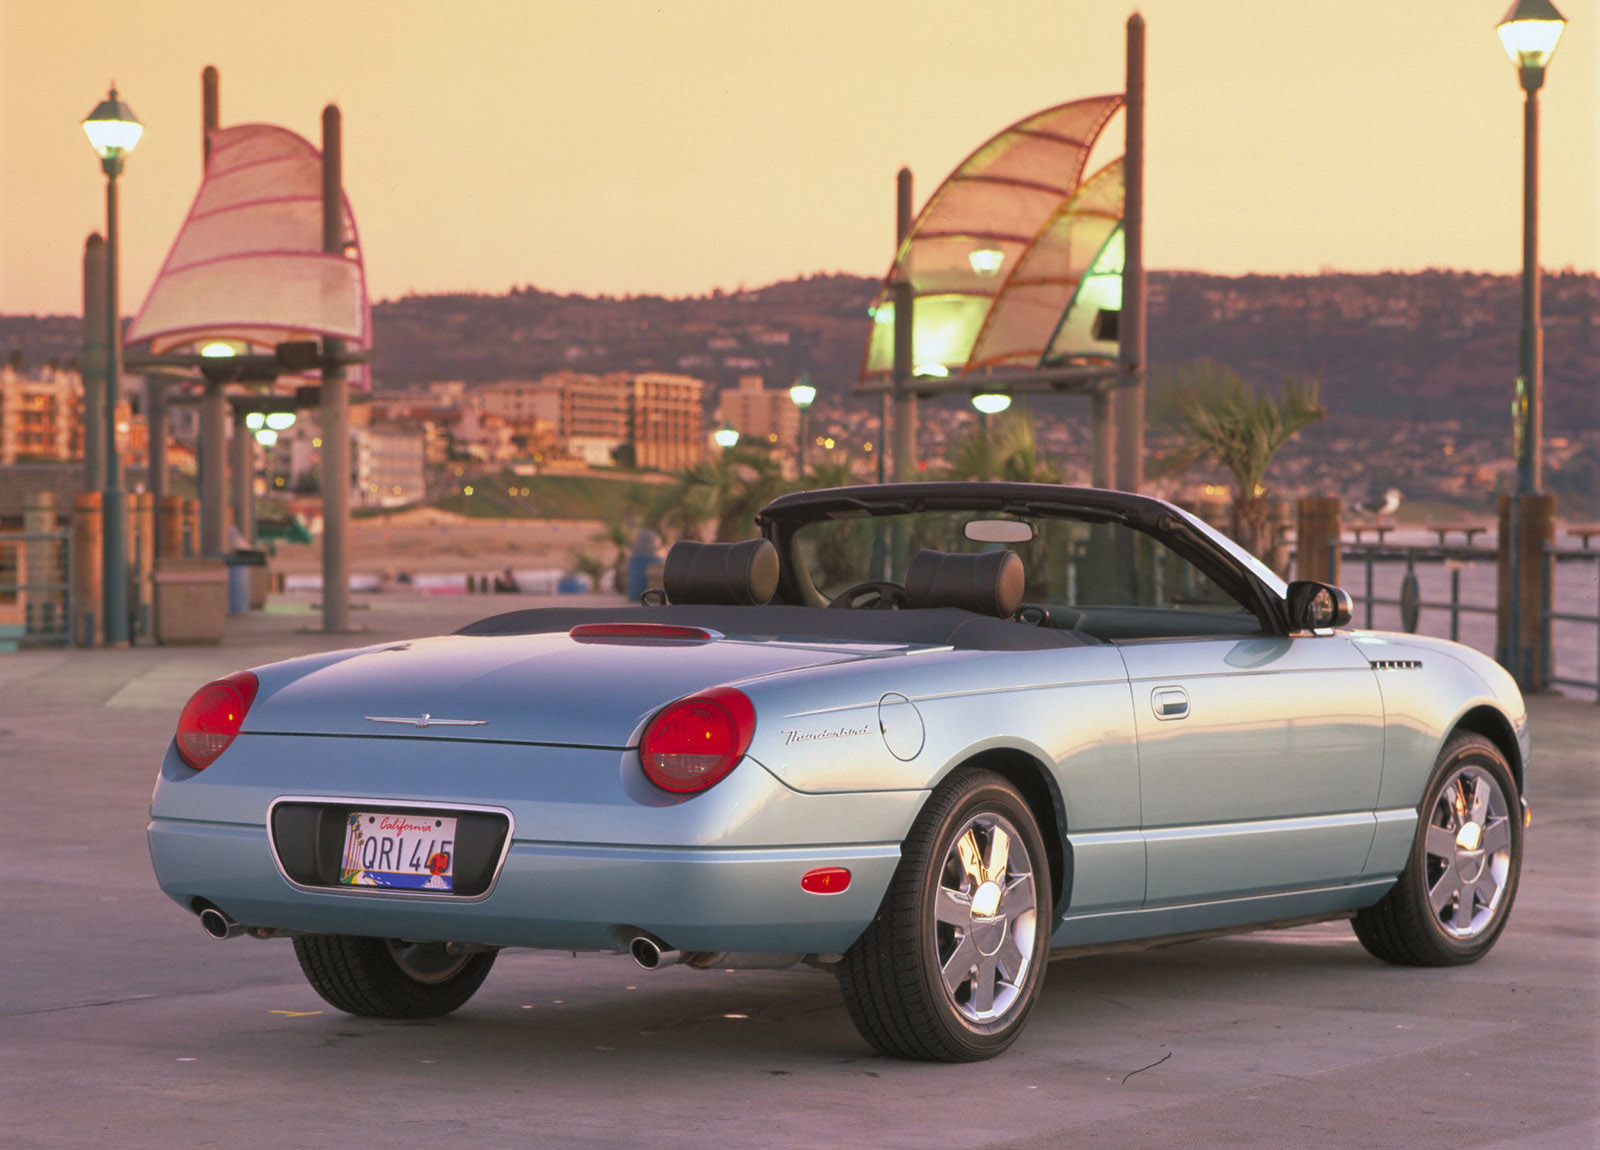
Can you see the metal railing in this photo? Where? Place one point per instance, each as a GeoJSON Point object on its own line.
{"type": "Point", "coordinates": [1409, 600]}
{"type": "Point", "coordinates": [1410, 604]}
{"type": "Point", "coordinates": [43, 600]}
{"type": "Point", "coordinates": [1552, 556]}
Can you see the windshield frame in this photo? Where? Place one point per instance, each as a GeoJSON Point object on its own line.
{"type": "Point", "coordinates": [1237, 572]}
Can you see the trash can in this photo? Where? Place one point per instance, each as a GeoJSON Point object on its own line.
{"type": "Point", "coordinates": [242, 567]}
{"type": "Point", "coordinates": [191, 600]}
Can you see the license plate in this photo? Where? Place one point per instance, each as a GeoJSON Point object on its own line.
{"type": "Point", "coordinates": [398, 851]}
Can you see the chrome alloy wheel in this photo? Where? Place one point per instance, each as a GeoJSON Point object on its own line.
{"type": "Point", "coordinates": [985, 918]}
{"type": "Point", "coordinates": [1468, 847]}
{"type": "Point", "coordinates": [430, 963]}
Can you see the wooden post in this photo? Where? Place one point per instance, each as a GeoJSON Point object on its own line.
{"type": "Point", "coordinates": [87, 626]}
{"type": "Point", "coordinates": [193, 530]}
{"type": "Point", "coordinates": [142, 559]}
{"type": "Point", "coordinates": [1519, 630]}
{"type": "Point", "coordinates": [39, 566]}
{"type": "Point", "coordinates": [170, 545]}
{"type": "Point", "coordinates": [1318, 554]}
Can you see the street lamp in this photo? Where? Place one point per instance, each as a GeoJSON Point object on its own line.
{"type": "Point", "coordinates": [802, 394]}
{"type": "Point", "coordinates": [726, 437]}
{"type": "Point", "coordinates": [989, 403]}
{"type": "Point", "coordinates": [113, 132]}
{"type": "Point", "coordinates": [1530, 31]}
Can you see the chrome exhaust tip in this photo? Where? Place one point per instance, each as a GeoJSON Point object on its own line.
{"type": "Point", "coordinates": [647, 952]}
{"type": "Point", "coordinates": [218, 925]}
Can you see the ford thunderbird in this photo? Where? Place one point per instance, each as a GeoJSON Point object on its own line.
{"type": "Point", "coordinates": [925, 736]}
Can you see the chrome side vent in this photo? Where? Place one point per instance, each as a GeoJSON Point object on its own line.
{"type": "Point", "coordinates": [1396, 664]}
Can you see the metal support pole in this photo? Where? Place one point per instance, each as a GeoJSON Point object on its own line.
{"type": "Point", "coordinates": [213, 468]}
{"type": "Point", "coordinates": [1530, 341]}
{"type": "Point", "coordinates": [94, 363]}
{"type": "Point", "coordinates": [210, 114]}
{"type": "Point", "coordinates": [335, 399]}
{"type": "Point", "coordinates": [905, 400]}
{"type": "Point", "coordinates": [244, 471]}
{"type": "Point", "coordinates": [884, 402]}
{"type": "Point", "coordinates": [800, 455]}
{"type": "Point", "coordinates": [1102, 438]}
{"type": "Point", "coordinates": [113, 503]}
{"type": "Point", "coordinates": [1131, 354]}
{"type": "Point", "coordinates": [155, 414]}
{"type": "Point", "coordinates": [1527, 402]}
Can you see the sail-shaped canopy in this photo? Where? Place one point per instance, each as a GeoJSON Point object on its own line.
{"type": "Point", "coordinates": [248, 267]}
{"type": "Point", "coordinates": [1004, 248]}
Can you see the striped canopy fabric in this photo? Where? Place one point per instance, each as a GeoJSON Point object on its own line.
{"type": "Point", "coordinates": [1001, 258]}
{"type": "Point", "coordinates": [248, 267]}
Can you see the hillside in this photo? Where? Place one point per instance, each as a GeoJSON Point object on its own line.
{"type": "Point", "coordinates": [1389, 348]}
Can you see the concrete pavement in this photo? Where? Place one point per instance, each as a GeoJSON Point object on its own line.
{"type": "Point", "coordinates": [121, 1024]}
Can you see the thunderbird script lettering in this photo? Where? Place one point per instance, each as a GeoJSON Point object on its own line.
{"type": "Point", "coordinates": [791, 737]}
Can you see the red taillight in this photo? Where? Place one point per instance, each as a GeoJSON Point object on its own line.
{"type": "Point", "coordinates": [213, 717]}
{"type": "Point", "coordinates": [695, 742]}
{"type": "Point", "coordinates": [825, 880]}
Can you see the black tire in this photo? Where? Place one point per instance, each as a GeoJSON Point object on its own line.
{"type": "Point", "coordinates": [892, 977]}
{"type": "Point", "coordinates": [1452, 900]}
{"type": "Point", "coordinates": [387, 978]}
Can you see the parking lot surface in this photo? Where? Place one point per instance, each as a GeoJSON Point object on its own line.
{"type": "Point", "coordinates": [122, 1024]}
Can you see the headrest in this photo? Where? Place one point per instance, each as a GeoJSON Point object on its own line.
{"type": "Point", "coordinates": [737, 574]}
{"type": "Point", "coordinates": [989, 583]}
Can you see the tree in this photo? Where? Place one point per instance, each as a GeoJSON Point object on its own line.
{"type": "Point", "coordinates": [727, 490]}
{"type": "Point", "coordinates": [1218, 418]}
{"type": "Point", "coordinates": [1008, 450]}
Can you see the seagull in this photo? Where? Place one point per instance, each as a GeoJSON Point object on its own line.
{"type": "Point", "coordinates": [1388, 505]}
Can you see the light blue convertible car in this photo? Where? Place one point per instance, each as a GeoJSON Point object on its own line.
{"type": "Point", "coordinates": [923, 735]}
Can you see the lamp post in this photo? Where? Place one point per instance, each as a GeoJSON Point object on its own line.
{"type": "Point", "coordinates": [726, 437]}
{"type": "Point", "coordinates": [113, 132]}
{"type": "Point", "coordinates": [802, 394]}
{"type": "Point", "coordinates": [1529, 32]}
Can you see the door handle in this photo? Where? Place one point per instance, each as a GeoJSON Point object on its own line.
{"type": "Point", "coordinates": [1170, 702]}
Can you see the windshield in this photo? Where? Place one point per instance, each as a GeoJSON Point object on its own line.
{"type": "Point", "coordinates": [1102, 575]}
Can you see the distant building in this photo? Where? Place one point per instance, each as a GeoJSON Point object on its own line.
{"type": "Point", "coordinates": [761, 415]}
{"type": "Point", "coordinates": [386, 467]}
{"type": "Point", "coordinates": [658, 415]}
{"type": "Point", "coordinates": [40, 416]}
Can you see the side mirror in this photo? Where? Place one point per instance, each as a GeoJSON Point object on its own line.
{"type": "Point", "coordinates": [1317, 606]}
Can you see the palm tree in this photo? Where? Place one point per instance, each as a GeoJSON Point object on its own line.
{"type": "Point", "coordinates": [1008, 450]}
{"type": "Point", "coordinates": [726, 490]}
{"type": "Point", "coordinates": [1217, 418]}
{"type": "Point", "coordinates": [619, 534]}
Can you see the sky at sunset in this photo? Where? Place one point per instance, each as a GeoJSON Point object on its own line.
{"type": "Point", "coordinates": [675, 147]}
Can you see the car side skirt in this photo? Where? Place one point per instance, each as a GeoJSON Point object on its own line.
{"type": "Point", "coordinates": [1162, 923]}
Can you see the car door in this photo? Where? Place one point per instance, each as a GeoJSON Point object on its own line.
{"type": "Point", "coordinates": [1259, 762]}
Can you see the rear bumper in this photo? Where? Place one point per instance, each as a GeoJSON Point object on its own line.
{"type": "Point", "coordinates": [719, 872]}
{"type": "Point", "coordinates": [550, 895]}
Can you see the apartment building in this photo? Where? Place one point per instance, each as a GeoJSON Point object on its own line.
{"type": "Point", "coordinates": [40, 416]}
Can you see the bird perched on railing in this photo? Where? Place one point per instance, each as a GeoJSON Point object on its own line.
{"type": "Point", "coordinates": [1387, 505]}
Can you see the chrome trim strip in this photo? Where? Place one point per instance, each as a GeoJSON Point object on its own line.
{"type": "Point", "coordinates": [427, 720]}
{"type": "Point", "coordinates": [402, 806]}
{"type": "Point", "coordinates": [1261, 826]}
{"type": "Point", "coordinates": [1292, 892]}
